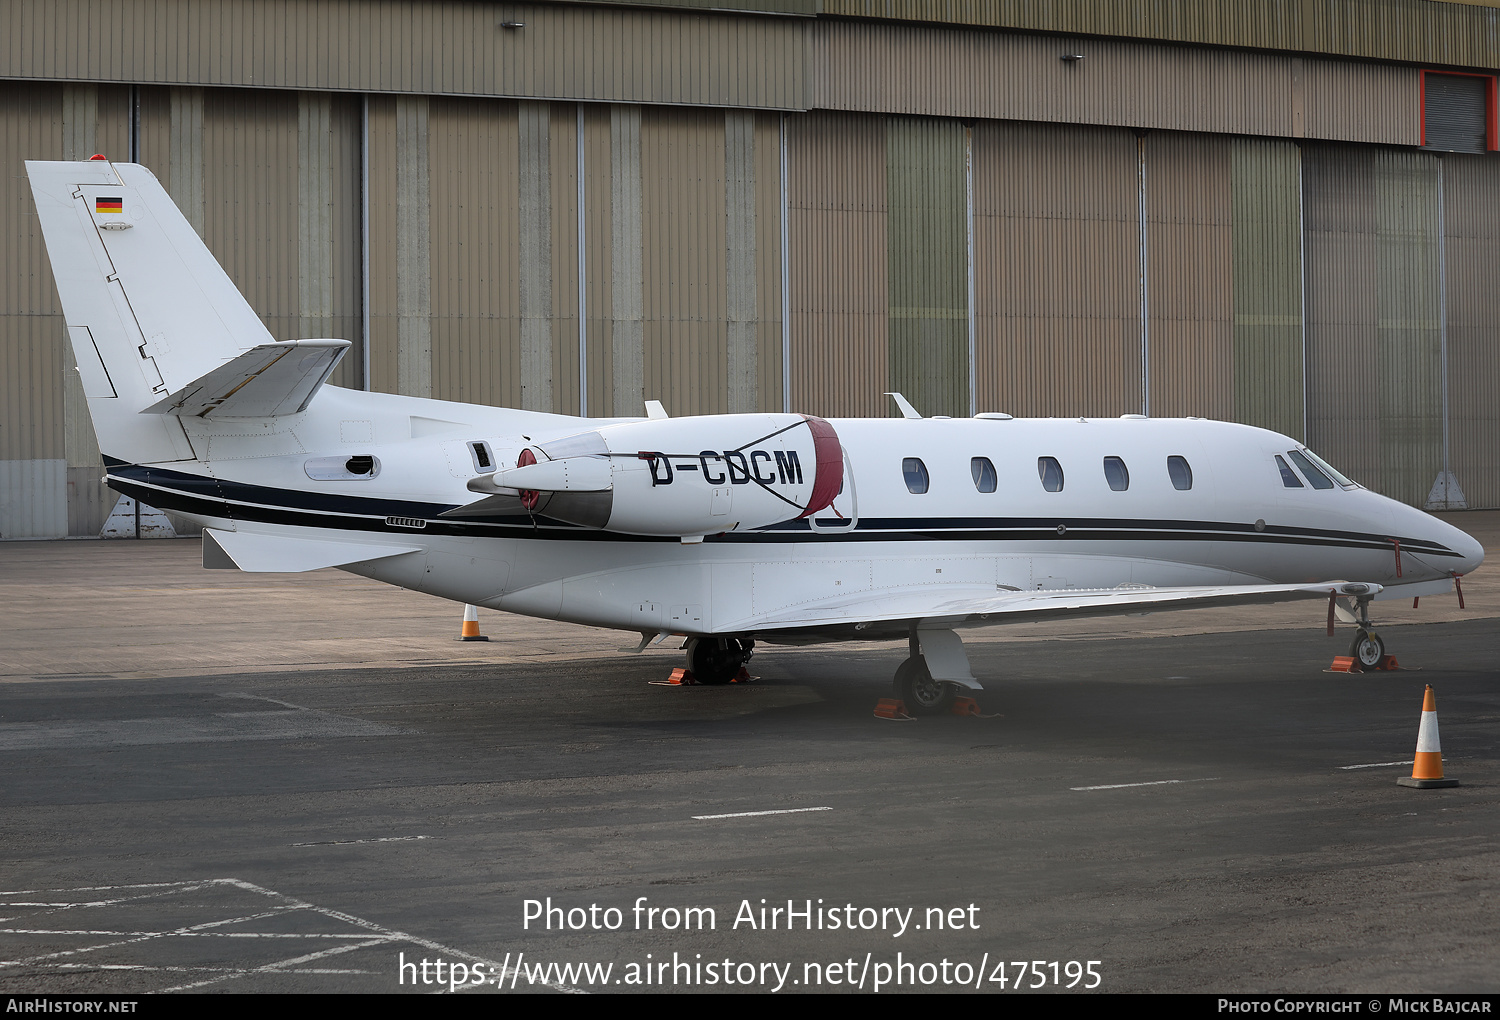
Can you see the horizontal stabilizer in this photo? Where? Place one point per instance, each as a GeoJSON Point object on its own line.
{"type": "Point", "coordinates": [264, 382]}
{"type": "Point", "coordinates": [271, 554]}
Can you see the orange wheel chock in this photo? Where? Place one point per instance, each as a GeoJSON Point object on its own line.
{"type": "Point", "coordinates": [683, 677]}
{"type": "Point", "coordinates": [892, 708]}
{"type": "Point", "coordinates": [1427, 770]}
{"type": "Point", "coordinates": [1347, 664]}
{"type": "Point", "coordinates": [965, 706]}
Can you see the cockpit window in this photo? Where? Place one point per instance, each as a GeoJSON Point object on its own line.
{"type": "Point", "coordinates": [1181, 472]}
{"type": "Point", "coordinates": [1330, 470]}
{"type": "Point", "coordinates": [984, 474]}
{"type": "Point", "coordinates": [916, 474]}
{"type": "Point", "coordinates": [1116, 473]}
{"type": "Point", "coordinates": [1288, 476]}
{"type": "Point", "coordinates": [1318, 479]}
{"type": "Point", "coordinates": [1050, 472]}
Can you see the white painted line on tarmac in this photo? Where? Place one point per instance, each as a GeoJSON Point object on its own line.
{"type": "Point", "coordinates": [279, 965]}
{"type": "Point", "coordinates": [157, 889]}
{"type": "Point", "coordinates": [176, 933]}
{"type": "Point", "coordinates": [351, 842]}
{"type": "Point", "coordinates": [756, 814]}
{"type": "Point", "coordinates": [1379, 764]}
{"type": "Point", "coordinates": [358, 935]}
{"type": "Point", "coordinates": [274, 701]}
{"type": "Point", "coordinates": [1159, 782]}
{"type": "Point", "coordinates": [200, 970]}
{"type": "Point", "coordinates": [105, 888]}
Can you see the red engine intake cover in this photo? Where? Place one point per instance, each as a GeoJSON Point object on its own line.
{"type": "Point", "coordinates": [828, 479]}
{"type": "Point", "coordinates": [529, 497]}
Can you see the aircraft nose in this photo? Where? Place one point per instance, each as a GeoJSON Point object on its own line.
{"type": "Point", "coordinates": [1470, 552]}
{"type": "Point", "coordinates": [1469, 548]}
{"type": "Point", "coordinates": [1417, 524]}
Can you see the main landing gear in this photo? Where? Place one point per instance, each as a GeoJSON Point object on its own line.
{"type": "Point", "coordinates": [716, 661]}
{"type": "Point", "coordinates": [935, 668]}
{"type": "Point", "coordinates": [923, 695]}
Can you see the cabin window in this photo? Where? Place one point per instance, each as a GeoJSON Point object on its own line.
{"type": "Point", "coordinates": [1116, 473]}
{"type": "Point", "coordinates": [1318, 479]}
{"type": "Point", "coordinates": [983, 471]}
{"type": "Point", "coordinates": [1050, 472]}
{"type": "Point", "coordinates": [1181, 473]}
{"type": "Point", "coordinates": [1288, 476]}
{"type": "Point", "coordinates": [916, 474]}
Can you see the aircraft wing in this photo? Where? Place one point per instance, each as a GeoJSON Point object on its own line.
{"type": "Point", "coordinates": [986, 605]}
{"type": "Point", "coordinates": [266, 381]}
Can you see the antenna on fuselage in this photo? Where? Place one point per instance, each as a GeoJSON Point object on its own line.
{"type": "Point", "coordinates": [907, 411]}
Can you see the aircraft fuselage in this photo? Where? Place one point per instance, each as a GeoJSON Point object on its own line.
{"type": "Point", "coordinates": [1181, 502]}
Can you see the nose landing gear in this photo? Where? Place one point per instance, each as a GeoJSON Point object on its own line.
{"type": "Point", "coordinates": [1367, 651]}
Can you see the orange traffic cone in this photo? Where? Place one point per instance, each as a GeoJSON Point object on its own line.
{"type": "Point", "coordinates": [1427, 770]}
{"type": "Point", "coordinates": [471, 625]}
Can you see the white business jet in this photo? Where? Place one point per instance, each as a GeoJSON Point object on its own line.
{"type": "Point", "coordinates": [723, 529]}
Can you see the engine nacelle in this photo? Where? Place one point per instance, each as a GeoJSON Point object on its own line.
{"type": "Point", "coordinates": [681, 476]}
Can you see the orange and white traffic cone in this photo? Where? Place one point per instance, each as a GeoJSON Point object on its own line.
{"type": "Point", "coordinates": [1427, 770]}
{"type": "Point", "coordinates": [471, 625]}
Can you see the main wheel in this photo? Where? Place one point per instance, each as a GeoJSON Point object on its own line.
{"type": "Point", "coordinates": [1367, 649]}
{"type": "Point", "coordinates": [715, 661]}
{"type": "Point", "coordinates": [923, 695]}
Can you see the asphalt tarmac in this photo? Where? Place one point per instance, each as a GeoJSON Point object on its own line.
{"type": "Point", "coordinates": [217, 781]}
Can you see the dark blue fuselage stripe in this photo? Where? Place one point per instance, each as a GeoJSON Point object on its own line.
{"type": "Point", "coordinates": [197, 494]}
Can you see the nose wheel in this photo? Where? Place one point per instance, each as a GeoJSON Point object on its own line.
{"type": "Point", "coordinates": [1368, 649]}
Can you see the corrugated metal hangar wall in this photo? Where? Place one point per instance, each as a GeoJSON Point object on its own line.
{"type": "Point", "coordinates": [734, 212]}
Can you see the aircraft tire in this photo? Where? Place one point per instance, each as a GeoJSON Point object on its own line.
{"type": "Point", "coordinates": [711, 664]}
{"type": "Point", "coordinates": [1368, 649]}
{"type": "Point", "coordinates": [922, 694]}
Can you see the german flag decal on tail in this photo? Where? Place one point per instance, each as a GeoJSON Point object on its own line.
{"type": "Point", "coordinates": [108, 204]}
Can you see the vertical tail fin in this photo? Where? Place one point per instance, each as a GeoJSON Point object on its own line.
{"type": "Point", "coordinates": [148, 308]}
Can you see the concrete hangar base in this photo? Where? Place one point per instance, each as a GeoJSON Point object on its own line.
{"type": "Point", "coordinates": [312, 782]}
